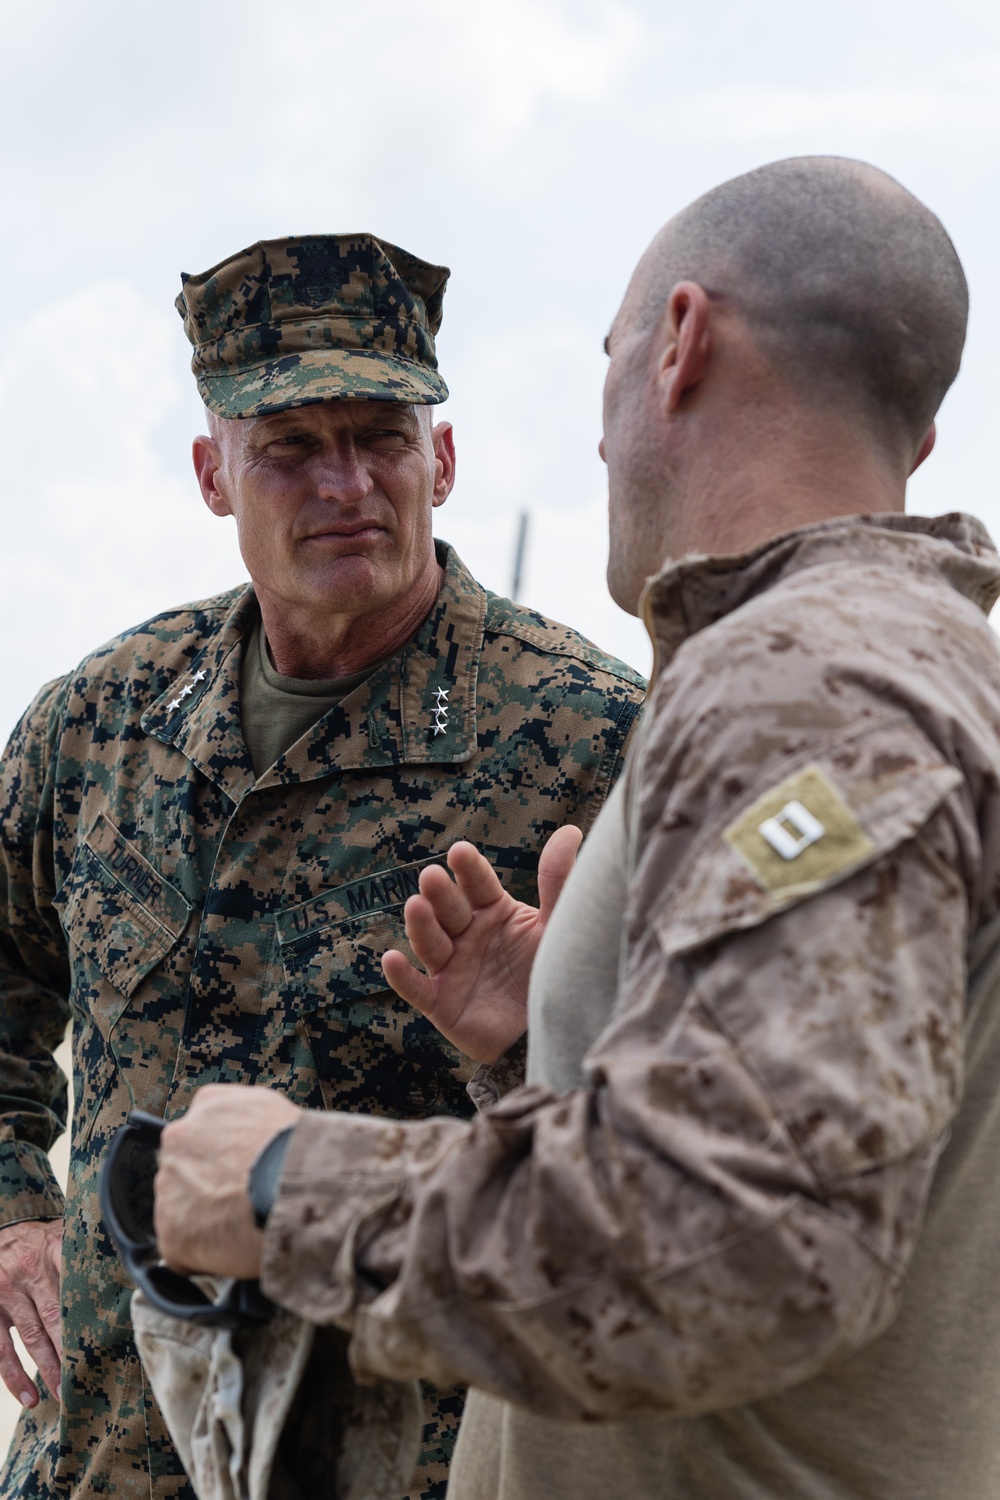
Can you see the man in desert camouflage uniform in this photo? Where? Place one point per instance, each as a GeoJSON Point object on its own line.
{"type": "Point", "coordinates": [736, 1239]}
{"type": "Point", "coordinates": [210, 827]}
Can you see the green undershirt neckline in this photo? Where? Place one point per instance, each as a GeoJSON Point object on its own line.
{"type": "Point", "coordinates": [276, 711]}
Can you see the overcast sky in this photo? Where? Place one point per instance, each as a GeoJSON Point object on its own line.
{"type": "Point", "coordinates": [532, 145]}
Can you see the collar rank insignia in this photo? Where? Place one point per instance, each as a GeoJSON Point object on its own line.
{"type": "Point", "coordinates": [440, 725]}
{"type": "Point", "coordinates": [186, 690]}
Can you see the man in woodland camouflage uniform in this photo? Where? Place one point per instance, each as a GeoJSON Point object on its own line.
{"type": "Point", "coordinates": [210, 827]}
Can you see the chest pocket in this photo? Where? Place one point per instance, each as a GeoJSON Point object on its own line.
{"type": "Point", "coordinates": [120, 913]}
{"type": "Point", "coordinates": [372, 1052]}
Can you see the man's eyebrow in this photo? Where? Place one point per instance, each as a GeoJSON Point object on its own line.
{"type": "Point", "coordinates": [387, 411]}
{"type": "Point", "coordinates": [274, 421]}
{"type": "Point", "coordinates": [607, 342]}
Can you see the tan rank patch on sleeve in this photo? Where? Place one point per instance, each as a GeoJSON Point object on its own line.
{"type": "Point", "coordinates": [799, 836]}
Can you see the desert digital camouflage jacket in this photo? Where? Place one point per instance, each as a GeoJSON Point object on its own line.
{"type": "Point", "coordinates": [199, 926]}
{"type": "Point", "coordinates": [728, 1181]}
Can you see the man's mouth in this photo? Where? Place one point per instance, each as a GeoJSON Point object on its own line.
{"type": "Point", "coordinates": [348, 531]}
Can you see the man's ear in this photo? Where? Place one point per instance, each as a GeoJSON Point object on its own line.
{"type": "Point", "coordinates": [684, 360]}
{"type": "Point", "coordinates": [207, 462]}
{"type": "Point", "coordinates": [926, 447]}
{"type": "Point", "coordinates": [443, 439]}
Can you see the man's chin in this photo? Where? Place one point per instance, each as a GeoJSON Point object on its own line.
{"type": "Point", "coordinates": [353, 584]}
{"type": "Point", "coordinates": [623, 588]}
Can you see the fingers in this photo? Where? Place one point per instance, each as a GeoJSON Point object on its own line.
{"type": "Point", "coordinates": [232, 1109]}
{"type": "Point", "coordinates": [49, 1304]}
{"type": "Point", "coordinates": [30, 1254]}
{"type": "Point", "coordinates": [447, 900]}
{"type": "Point", "coordinates": [476, 877]}
{"type": "Point", "coordinates": [554, 867]}
{"type": "Point", "coordinates": [439, 913]}
{"type": "Point", "coordinates": [33, 1324]}
{"type": "Point", "coordinates": [13, 1374]}
{"type": "Point", "coordinates": [428, 939]}
{"type": "Point", "coordinates": [33, 1313]}
{"type": "Point", "coordinates": [409, 984]}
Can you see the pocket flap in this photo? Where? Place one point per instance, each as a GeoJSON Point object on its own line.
{"type": "Point", "coordinates": [118, 909]}
{"type": "Point", "coordinates": [342, 963]}
{"type": "Point", "coordinates": [825, 819]}
{"type": "Point", "coordinates": [331, 946]}
{"type": "Point", "coordinates": [388, 890]}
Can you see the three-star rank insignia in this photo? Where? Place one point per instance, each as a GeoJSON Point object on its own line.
{"type": "Point", "coordinates": [440, 711]}
{"type": "Point", "coordinates": [186, 690]}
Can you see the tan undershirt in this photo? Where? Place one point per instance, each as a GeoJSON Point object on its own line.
{"type": "Point", "coordinates": [276, 711]}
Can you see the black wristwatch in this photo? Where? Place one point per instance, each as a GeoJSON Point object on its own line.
{"type": "Point", "coordinates": [265, 1175]}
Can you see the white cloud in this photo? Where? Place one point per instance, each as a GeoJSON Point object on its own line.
{"type": "Point", "coordinates": [520, 56]}
{"type": "Point", "coordinates": [744, 111]}
{"type": "Point", "coordinates": [98, 534]}
{"type": "Point", "coordinates": [534, 145]}
{"type": "Point", "coordinates": [471, 76]}
{"type": "Point", "coordinates": [96, 344]}
{"type": "Point", "coordinates": [565, 561]}
{"type": "Point", "coordinates": [527, 409]}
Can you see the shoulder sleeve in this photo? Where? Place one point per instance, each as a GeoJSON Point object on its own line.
{"type": "Point", "coordinates": [34, 975]}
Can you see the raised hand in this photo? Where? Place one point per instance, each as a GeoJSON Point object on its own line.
{"type": "Point", "coordinates": [478, 945]}
{"type": "Point", "coordinates": [30, 1257]}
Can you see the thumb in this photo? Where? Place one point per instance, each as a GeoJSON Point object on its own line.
{"type": "Point", "coordinates": [557, 860]}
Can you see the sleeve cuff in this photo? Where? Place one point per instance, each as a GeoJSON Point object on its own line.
{"type": "Point", "coordinates": [28, 1187]}
{"type": "Point", "coordinates": [490, 1082]}
{"type": "Point", "coordinates": [342, 1172]}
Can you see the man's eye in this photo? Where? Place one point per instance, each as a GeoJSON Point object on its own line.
{"type": "Point", "coordinates": [284, 442]}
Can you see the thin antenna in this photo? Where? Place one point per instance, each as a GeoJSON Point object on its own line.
{"type": "Point", "coordinates": [522, 542]}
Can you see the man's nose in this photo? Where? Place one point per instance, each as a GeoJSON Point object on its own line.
{"type": "Point", "coordinates": [340, 474]}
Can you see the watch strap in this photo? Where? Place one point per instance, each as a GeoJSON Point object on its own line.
{"type": "Point", "coordinates": [265, 1174]}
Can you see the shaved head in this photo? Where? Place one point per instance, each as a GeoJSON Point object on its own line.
{"type": "Point", "coordinates": [851, 286]}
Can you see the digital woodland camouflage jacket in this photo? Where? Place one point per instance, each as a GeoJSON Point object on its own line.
{"type": "Point", "coordinates": [199, 926]}
{"type": "Point", "coordinates": [733, 1168]}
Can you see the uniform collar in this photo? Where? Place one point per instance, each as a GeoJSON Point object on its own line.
{"type": "Point", "coordinates": [418, 708]}
{"type": "Point", "coordinates": [695, 592]}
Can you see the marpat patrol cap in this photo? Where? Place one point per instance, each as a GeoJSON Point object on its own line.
{"type": "Point", "coordinates": [309, 318]}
